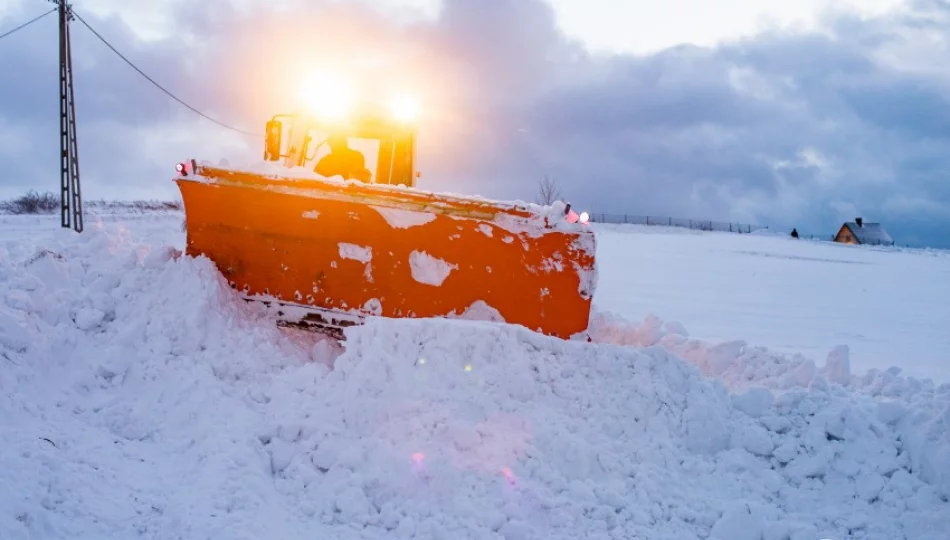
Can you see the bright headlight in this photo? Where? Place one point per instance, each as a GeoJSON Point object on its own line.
{"type": "Point", "coordinates": [404, 108]}
{"type": "Point", "coordinates": [328, 96]}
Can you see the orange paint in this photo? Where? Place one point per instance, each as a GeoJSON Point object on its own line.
{"type": "Point", "coordinates": [281, 237]}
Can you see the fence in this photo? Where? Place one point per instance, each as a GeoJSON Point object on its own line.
{"type": "Point", "coordinates": [696, 224]}
{"type": "Point", "coordinates": [820, 237]}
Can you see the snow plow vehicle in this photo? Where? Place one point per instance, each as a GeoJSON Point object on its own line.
{"type": "Point", "coordinates": [329, 241]}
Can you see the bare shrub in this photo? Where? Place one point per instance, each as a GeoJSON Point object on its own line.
{"type": "Point", "coordinates": [31, 203]}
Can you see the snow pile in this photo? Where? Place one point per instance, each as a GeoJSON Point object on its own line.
{"type": "Point", "coordinates": [141, 398]}
{"type": "Point", "coordinates": [123, 414]}
{"type": "Point", "coordinates": [860, 430]}
{"type": "Point", "coordinates": [478, 311]}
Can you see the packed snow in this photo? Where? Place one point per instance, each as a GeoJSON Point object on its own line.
{"type": "Point", "coordinates": [363, 254]}
{"type": "Point", "coordinates": [398, 218]}
{"type": "Point", "coordinates": [428, 269]}
{"type": "Point", "coordinates": [141, 398]}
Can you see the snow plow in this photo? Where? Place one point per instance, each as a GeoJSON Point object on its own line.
{"type": "Point", "coordinates": [328, 241]}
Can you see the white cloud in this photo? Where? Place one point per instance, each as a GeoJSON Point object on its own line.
{"type": "Point", "coordinates": [644, 26]}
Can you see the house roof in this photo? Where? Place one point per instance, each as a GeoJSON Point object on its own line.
{"type": "Point", "coordinates": [869, 233]}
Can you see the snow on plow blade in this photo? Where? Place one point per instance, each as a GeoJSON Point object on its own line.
{"type": "Point", "coordinates": [353, 249]}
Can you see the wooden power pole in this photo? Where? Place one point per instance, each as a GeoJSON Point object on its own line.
{"type": "Point", "coordinates": [70, 194]}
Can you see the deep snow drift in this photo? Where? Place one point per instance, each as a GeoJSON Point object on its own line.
{"type": "Point", "coordinates": [141, 399]}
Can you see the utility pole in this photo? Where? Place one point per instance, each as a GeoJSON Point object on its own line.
{"type": "Point", "coordinates": [70, 195]}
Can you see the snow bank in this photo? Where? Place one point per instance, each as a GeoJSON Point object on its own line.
{"type": "Point", "coordinates": [141, 398]}
{"type": "Point", "coordinates": [867, 427]}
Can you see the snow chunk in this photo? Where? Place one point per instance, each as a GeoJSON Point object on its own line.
{"type": "Point", "coordinates": [675, 328]}
{"type": "Point", "coordinates": [373, 306]}
{"type": "Point", "coordinates": [12, 332]}
{"type": "Point", "coordinates": [88, 318]}
{"type": "Point", "coordinates": [753, 439]}
{"type": "Point", "coordinates": [890, 412]}
{"type": "Point", "coordinates": [311, 214]}
{"type": "Point", "coordinates": [738, 522]}
{"type": "Point", "coordinates": [403, 219]}
{"type": "Point", "coordinates": [838, 365]}
{"type": "Point", "coordinates": [755, 401]}
{"type": "Point", "coordinates": [707, 419]}
{"type": "Point", "coordinates": [19, 299]}
{"type": "Point", "coordinates": [804, 374]}
{"type": "Point", "coordinates": [479, 311]}
{"type": "Point", "coordinates": [355, 252]}
{"type": "Point", "coordinates": [428, 269]}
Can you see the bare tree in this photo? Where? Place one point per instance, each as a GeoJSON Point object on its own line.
{"type": "Point", "coordinates": [548, 191]}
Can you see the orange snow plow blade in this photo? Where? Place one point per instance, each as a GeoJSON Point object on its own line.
{"type": "Point", "coordinates": [342, 251]}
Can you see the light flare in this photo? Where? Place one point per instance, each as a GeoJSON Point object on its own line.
{"type": "Point", "coordinates": [328, 95]}
{"type": "Point", "coordinates": [404, 107]}
{"type": "Point", "coordinates": [508, 474]}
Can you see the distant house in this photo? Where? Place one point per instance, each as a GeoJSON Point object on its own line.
{"type": "Point", "coordinates": [859, 232]}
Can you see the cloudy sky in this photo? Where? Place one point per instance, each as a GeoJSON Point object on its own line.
{"type": "Point", "coordinates": [768, 112]}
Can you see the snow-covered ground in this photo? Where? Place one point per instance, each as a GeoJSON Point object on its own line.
{"type": "Point", "coordinates": [890, 307]}
{"type": "Point", "coordinates": [140, 399]}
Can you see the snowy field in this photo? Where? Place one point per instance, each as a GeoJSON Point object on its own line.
{"type": "Point", "coordinates": [890, 307]}
{"type": "Point", "coordinates": [140, 399]}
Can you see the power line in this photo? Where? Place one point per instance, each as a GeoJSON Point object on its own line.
{"type": "Point", "coordinates": [160, 87]}
{"type": "Point", "coordinates": [27, 23]}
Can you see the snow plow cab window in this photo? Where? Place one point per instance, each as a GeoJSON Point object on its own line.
{"type": "Point", "coordinates": [389, 160]}
{"type": "Point", "coordinates": [367, 148]}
